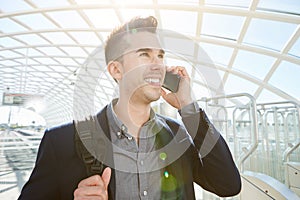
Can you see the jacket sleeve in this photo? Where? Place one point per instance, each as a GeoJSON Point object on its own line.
{"type": "Point", "coordinates": [42, 183]}
{"type": "Point", "coordinates": [217, 172]}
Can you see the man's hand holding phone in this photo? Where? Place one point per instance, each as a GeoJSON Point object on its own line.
{"type": "Point", "coordinates": [179, 96]}
{"type": "Point", "coordinates": [171, 81]}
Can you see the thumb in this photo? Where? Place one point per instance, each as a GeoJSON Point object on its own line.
{"type": "Point", "coordinates": [163, 92]}
{"type": "Point", "coordinates": [106, 176]}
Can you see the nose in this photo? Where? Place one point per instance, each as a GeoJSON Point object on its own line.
{"type": "Point", "coordinates": [157, 64]}
{"type": "Point", "coordinates": [157, 60]}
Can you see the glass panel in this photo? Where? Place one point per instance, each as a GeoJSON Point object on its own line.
{"type": "Point", "coordinates": [59, 38]}
{"type": "Point", "coordinates": [35, 80]}
{"type": "Point", "coordinates": [75, 51]}
{"type": "Point", "coordinates": [29, 61]}
{"type": "Point", "coordinates": [9, 26]}
{"type": "Point", "coordinates": [240, 3]}
{"type": "Point", "coordinates": [11, 82]}
{"type": "Point", "coordinates": [89, 38]}
{"type": "Point", "coordinates": [8, 54]}
{"type": "Point", "coordinates": [92, 2]}
{"type": "Point", "coordinates": [29, 51]}
{"type": "Point", "coordinates": [183, 22]}
{"type": "Point", "coordinates": [8, 63]}
{"type": "Point", "coordinates": [90, 49]}
{"type": "Point", "coordinates": [217, 53]}
{"type": "Point", "coordinates": [80, 60]}
{"type": "Point", "coordinates": [60, 69]}
{"type": "Point", "coordinates": [208, 77]}
{"type": "Point", "coordinates": [286, 78]}
{"type": "Point", "coordinates": [10, 69]}
{"type": "Point", "coordinates": [186, 2]}
{"type": "Point", "coordinates": [49, 81]}
{"type": "Point", "coordinates": [130, 13]}
{"type": "Point", "coordinates": [66, 61]}
{"type": "Point", "coordinates": [200, 91]}
{"type": "Point", "coordinates": [36, 21]}
{"type": "Point", "coordinates": [52, 3]}
{"type": "Point", "coordinates": [41, 68]}
{"type": "Point", "coordinates": [295, 50]}
{"type": "Point", "coordinates": [68, 19]}
{"type": "Point", "coordinates": [103, 18]}
{"type": "Point", "coordinates": [122, 3]}
{"type": "Point", "coordinates": [46, 74]}
{"type": "Point", "coordinates": [292, 6]}
{"type": "Point", "coordinates": [15, 5]}
{"type": "Point", "coordinates": [257, 65]}
{"type": "Point", "coordinates": [49, 61]}
{"type": "Point", "coordinates": [104, 35]}
{"type": "Point", "coordinates": [9, 42]}
{"type": "Point", "coordinates": [224, 26]}
{"type": "Point", "coordinates": [32, 39]}
{"type": "Point", "coordinates": [235, 84]}
{"type": "Point", "coordinates": [267, 96]}
{"type": "Point", "coordinates": [8, 76]}
{"type": "Point", "coordinates": [269, 34]}
{"type": "Point", "coordinates": [51, 51]}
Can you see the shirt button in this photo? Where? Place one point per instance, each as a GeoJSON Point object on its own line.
{"type": "Point", "coordinates": [119, 134]}
{"type": "Point", "coordinates": [123, 127]}
{"type": "Point", "coordinates": [145, 193]}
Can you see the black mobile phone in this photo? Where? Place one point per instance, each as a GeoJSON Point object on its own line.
{"type": "Point", "coordinates": [171, 82]}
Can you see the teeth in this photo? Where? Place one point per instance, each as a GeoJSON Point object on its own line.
{"type": "Point", "coordinates": [152, 80]}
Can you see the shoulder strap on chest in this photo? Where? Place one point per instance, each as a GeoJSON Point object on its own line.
{"type": "Point", "coordinates": [93, 165]}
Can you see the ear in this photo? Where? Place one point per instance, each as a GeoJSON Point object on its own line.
{"type": "Point", "coordinates": [115, 70]}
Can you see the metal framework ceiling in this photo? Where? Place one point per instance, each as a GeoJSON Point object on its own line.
{"type": "Point", "coordinates": [254, 45]}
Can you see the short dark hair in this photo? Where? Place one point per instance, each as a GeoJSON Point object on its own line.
{"type": "Point", "coordinates": [135, 24]}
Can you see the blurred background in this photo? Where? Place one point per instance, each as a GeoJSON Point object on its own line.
{"type": "Point", "coordinates": [253, 97]}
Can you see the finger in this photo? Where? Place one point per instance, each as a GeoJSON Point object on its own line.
{"type": "Point", "coordinates": [90, 191]}
{"type": "Point", "coordinates": [106, 176]}
{"type": "Point", "coordinates": [183, 72]}
{"type": "Point", "coordinates": [163, 92]}
{"type": "Point", "coordinates": [180, 70]}
{"type": "Point", "coordinates": [164, 95]}
{"type": "Point", "coordinates": [171, 69]}
{"type": "Point", "coordinates": [91, 181]}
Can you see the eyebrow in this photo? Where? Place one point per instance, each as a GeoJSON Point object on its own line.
{"type": "Point", "coordinates": [149, 49]}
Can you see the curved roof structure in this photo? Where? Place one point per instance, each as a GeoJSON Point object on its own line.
{"type": "Point", "coordinates": [253, 44]}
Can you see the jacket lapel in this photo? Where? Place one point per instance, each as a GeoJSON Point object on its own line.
{"type": "Point", "coordinates": [172, 186]}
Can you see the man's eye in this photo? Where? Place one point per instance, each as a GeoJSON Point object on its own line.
{"type": "Point", "coordinates": [144, 54]}
{"type": "Point", "coordinates": [161, 56]}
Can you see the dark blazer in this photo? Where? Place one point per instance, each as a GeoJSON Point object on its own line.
{"type": "Point", "coordinates": [59, 169]}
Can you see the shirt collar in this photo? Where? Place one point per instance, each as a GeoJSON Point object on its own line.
{"type": "Point", "coordinates": [116, 124]}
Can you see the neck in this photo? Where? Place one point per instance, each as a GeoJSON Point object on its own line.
{"type": "Point", "coordinates": [132, 114]}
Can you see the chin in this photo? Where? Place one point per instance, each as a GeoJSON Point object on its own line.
{"type": "Point", "coordinates": [156, 97]}
{"type": "Point", "coordinates": [153, 96]}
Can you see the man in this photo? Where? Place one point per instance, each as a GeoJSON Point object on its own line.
{"type": "Point", "coordinates": [148, 156]}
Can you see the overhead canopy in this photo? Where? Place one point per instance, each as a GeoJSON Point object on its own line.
{"type": "Point", "coordinates": [254, 45]}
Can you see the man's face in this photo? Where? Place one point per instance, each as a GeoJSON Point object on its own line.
{"type": "Point", "coordinates": [143, 73]}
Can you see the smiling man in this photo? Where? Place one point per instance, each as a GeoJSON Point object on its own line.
{"type": "Point", "coordinates": [146, 155]}
{"type": "Point", "coordinates": [140, 76]}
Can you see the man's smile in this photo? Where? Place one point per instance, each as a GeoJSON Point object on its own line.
{"type": "Point", "coordinates": [153, 81]}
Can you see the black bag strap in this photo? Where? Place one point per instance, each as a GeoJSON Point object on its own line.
{"type": "Point", "coordinates": [88, 128]}
{"type": "Point", "coordinates": [93, 165]}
